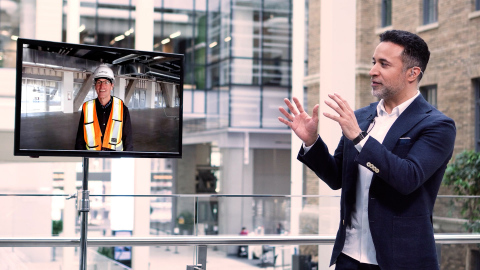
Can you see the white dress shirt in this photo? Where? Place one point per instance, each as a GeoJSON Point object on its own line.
{"type": "Point", "coordinates": [358, 240]}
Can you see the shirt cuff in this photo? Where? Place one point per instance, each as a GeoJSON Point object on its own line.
{"type": "Point", "coordinates": [307, 148]}
{"type": "Point", "coordinates": [360, 145]}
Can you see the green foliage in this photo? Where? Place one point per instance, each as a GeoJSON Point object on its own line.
{"type": "Point", "coordinates": [106, 251]}
{"type": "Point", "coordinates": [463, 176]}
{"type": "Point", "coordinates": [185, 221]}
{"type": "Point", "coordinates": [57, 227]}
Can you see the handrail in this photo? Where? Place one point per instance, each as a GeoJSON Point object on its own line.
{"type": "Point", "coordinates": [209, 195]}
{"type": "Point", "coordinates": [441, 238]}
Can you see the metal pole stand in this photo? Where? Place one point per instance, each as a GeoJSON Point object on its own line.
{"type": "Point", "coordinates": [201, 259]}
{"type": "Point", "coordinates": [83, 206]}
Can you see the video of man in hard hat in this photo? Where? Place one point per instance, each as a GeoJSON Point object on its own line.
{"type": "Point", "coordinates": [89, 98]}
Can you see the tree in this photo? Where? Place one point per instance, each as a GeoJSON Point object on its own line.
{"type": "Point", "coordinates": [463, 175]}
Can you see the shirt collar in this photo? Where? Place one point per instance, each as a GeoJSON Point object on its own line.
{"type": "Point", "coordinates": [397, 110]}
{"type": "Point", "coordinates": [106, 105]}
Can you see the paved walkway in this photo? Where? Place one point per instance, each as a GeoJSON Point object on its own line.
{"type": "Point", "coordinates": [216, 260]}
{"type": "Point", "coordinates": [160, 258]}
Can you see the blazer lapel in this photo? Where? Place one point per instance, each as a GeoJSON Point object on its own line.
{"type": "Point", "coordinates": [414, 113]}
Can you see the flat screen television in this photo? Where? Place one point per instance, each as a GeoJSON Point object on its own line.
{"type": "Point", "coordinates": [57, 108]}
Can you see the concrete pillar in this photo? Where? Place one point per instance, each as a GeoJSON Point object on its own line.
{"type": "Point", "coordinates": [49, 16]}
{"type": "Point", "coordinates": [27, 18]}
{"type": "Point", "coordinates": [237, 178]}
{"type": "Point", "coordinates": [298, 72]}
{"type": "Point", "coordinates": [141, 223]}
{"type": "Point", "coordinates": [169, 94]}
{"type": "Point", "coordinates": [337, 64]}
{"type": "Point", "coordinates": [150, 95]}
{"type": "Point", "coordinates": [119, 88]}
{"type": "Point", "coordinates": [144, 25]}
{"type": "Point", "coordinates": [67, 88]}
{"type": "Point", "coordinates": [122, 183]}
{"type": "Point", "coordinates": [73, 21]}
{"type": "Point", "coordinates": [69, 213]}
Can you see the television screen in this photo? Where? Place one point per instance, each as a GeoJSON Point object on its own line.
{"type": "Point", "coordinates": [93, 101]}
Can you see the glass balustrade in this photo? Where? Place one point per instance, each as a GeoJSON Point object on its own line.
{"type": "Point", "coordinates": [278, 231]}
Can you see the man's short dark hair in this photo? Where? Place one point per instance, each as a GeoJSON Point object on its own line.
{"type": "Point", "coordinates": [105, 78]}
{"type": "Point", "coordinates": [415, 49]}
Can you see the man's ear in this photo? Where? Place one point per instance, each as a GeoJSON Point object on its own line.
{"type": "Point", "coordinates": [414, 73]}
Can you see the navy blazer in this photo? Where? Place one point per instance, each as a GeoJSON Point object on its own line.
{"type": "Point", "coordinates": [407, 168]}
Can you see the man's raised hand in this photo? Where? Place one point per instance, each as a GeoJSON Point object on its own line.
{"type": "Point", "coordinates": [304, 125]}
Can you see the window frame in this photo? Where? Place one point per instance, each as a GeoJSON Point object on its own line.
{"type": "Point", "coordinates": [476, 88]}
{"type": "Point", "coordinates": [430, 11]}
{"type": "Point", "coordinates": [386, 16]}
{"type": "Point", "coordinates": [429, 92]}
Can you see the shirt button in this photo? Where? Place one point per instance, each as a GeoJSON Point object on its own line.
{"type": "Point", "coordinates": [104, 124]}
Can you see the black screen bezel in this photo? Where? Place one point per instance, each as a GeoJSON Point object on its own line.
{"type": "Point", "coordinates": [86, 153]}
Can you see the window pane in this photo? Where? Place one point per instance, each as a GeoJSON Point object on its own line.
{"type": "Point", "coordinates": [386, 13]}
{"type": "Point", "coordinates": [430, 11]}
{"type": "Point", "coordinates": [107, 23]}
{"type": "Point", "coordinates": [430, 94]}
{"type": "Point", "coordinates": [245, 71]}
{"type": "Point", "coordinates": [245, 106]}
{"type": "Point", "coordinates": [246, 32]}
{"type": "Point", "coordinates": [276, 72]}
{"type": "Point", "coordinates": [276, 36]}
{"type": "Point", "coordinates": [272, 96]}
{"type": "Point", "coordinates": [476, 88]}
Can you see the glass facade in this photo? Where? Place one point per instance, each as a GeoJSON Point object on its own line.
{"type": "Point", "coordinates": [237, 55]}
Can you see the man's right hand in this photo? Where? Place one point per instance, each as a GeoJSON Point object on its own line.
{"type": "Point", "coordinates": [304, 125]}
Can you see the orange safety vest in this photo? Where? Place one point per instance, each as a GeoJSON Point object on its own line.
{"type": "Point", "coordinates": [113, 133]}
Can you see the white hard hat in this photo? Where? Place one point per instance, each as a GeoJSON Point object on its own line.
{"type": "Point", "coordinates": [103, 71]}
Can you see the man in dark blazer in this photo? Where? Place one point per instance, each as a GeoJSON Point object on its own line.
{"type": "Point", "coordinates": [389, 163]}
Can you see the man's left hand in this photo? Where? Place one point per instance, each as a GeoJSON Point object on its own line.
{"type": "Point", "coordinates": [346, 117]}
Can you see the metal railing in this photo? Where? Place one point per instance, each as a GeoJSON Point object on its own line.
{"type": "Point", "coordinates": [440, 238]}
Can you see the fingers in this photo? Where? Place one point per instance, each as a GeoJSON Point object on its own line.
{"type": "Point", "coordinates": [290, 106]}
{"type": "Point", "coordinates": [340, 106]}
{"type": "Point", "coordinates": [298, 104]}
{"type": "Point", "coordinates": [343, 103]}
{"type": "Point", "coordinates": [285, 113]}
{"type": "Point", "coordinates": [288, 123]}
{"type": "Point", "coordinates": [315, 113]}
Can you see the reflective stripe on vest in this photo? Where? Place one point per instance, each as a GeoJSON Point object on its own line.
{"type": "Point", "coordinates": [113, 131]}
{"type": "Point", "coordinates": [90, 116]}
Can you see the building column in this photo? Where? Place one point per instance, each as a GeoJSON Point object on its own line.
{"type": "Point", "coordinates": [237, 178]}
{"type": "Point", "coordinates": [337, 64]}
{"type": "Point", "coordinates": [49, 17]}
{"type": "Point", "coordinates": [141, 222]}
{"type": "Point", "coordinates": [73, 21]}
{"type": "Point", "coordinates": [67, 98]}
{"type": "Point", "coordinates": [150, 95]}
{"type": "Point", "coordinates": [144, 25]}
{"type": "Point", "coordinates": [27, 19]}
{"type": "Point", "coordinates": [69, 212]}
{"type": "Point", "coordinates": [298, 71]}
{"type": "Point", "coordinates": [119, 89]}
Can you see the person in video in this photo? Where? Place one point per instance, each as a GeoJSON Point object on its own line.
{"type": "Point", "coordinates": [389, 163]}
{"type": "Point", "coordinates": [105, 121]}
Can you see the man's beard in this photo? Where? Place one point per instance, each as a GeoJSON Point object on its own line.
{"type": "Point", "coordinates": [384, 93]}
